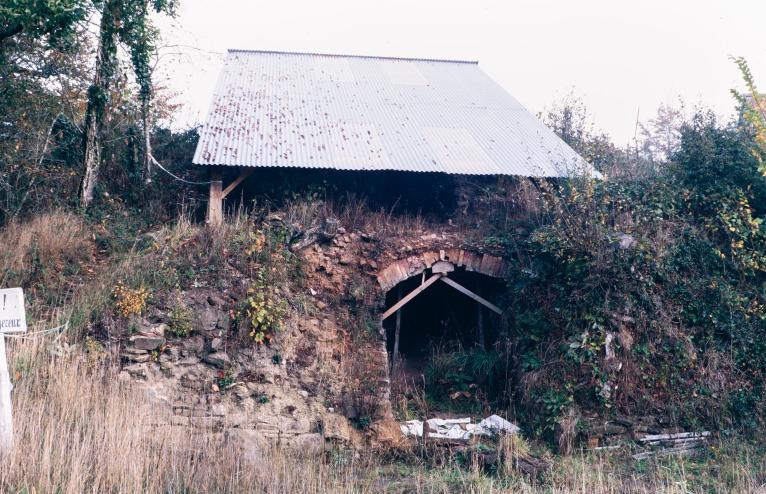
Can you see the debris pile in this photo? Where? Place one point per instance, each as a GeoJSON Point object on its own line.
{"type": "Point", "coordinates": [459, 429]}
{"type": "Point", "coordinates": [670, 444]}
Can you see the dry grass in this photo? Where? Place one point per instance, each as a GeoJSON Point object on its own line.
{"type": "Point", "coordinates": [354, 214]}
{"type": "Point", "coordinates": [78, 429]}
{"type": "Point", "coordinates": [38, 250]}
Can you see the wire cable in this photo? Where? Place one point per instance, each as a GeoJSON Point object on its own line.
{"type": "Point", "coordinates": [154, 160]}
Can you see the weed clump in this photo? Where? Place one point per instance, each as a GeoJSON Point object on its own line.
{"type": "Point", "coordinates": [130, 301]}
{"type": "Point", "coordinates": [264, 311]}
{"type": "Point", "coordinates": [181, 320]}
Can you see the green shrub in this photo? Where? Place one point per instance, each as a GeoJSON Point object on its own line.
{"type": "Point", "coordinates": [465, 379]}
{"type": "Point", "coordinates": [264, 310]}
{"type": "Point", "coordinates": [670, 271]}
{"type": "Point", "coordinates": [181, 320]}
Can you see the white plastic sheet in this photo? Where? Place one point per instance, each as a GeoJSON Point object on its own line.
{"type": "Point", "coordinates": [494, 424]}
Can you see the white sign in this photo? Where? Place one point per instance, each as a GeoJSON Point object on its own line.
{"type": "Point", "coordinates": [13, 319]}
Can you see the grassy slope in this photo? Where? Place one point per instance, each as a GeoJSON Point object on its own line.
{"type": "Point", "coordinates": [78, 429]}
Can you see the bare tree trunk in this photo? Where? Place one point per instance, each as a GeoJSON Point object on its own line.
{"type": "Point", "coordinates": [98, 94]}
{"type": "Point", "coordinates": [92, 157]}
{"type": "Point", "coordinates": [147, 140]}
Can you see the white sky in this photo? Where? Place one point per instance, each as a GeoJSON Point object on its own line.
{"type": "Point", "coordinates": [619, 56]}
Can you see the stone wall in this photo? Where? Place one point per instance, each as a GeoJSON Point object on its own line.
{"type": "Point", "coordinates": [287, 392]}
{"type": "Point", "coordinates": [398, 271]}
{"type": "Point", "coordinates": [298, 389]}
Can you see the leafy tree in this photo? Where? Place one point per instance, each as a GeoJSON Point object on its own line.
{"type": "Point", "coordinates": [666, 272]}
{"type": "Point", "coordinates": [124, 22]}
{"type": "Point", "coordinates": [723, 190]}
{"type": "Point", "coordinates": [42, 91]}
{"type": "Point", "coordinates": [753, 107]}
{"type": "Point", "coordinates": [660, 136]}
{"type": "Point", "coordinates": [55, 20]}
{"type": "Point", "coordinates": [571, 121]}
{"type": "Point", "coordinates": [43, 58]}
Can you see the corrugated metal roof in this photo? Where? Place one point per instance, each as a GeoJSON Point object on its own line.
{"type": "Point", "coordinates": [374, 113]}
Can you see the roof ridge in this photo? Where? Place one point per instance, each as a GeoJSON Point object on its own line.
{"type": "Point", "coordinates": [342, 55]}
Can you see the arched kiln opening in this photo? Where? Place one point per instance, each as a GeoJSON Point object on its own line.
{"type": "Point", "coordinates": [444, 309]}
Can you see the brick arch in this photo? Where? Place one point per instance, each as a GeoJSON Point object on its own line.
{"type": "Point", "coordinates": [400, 270]}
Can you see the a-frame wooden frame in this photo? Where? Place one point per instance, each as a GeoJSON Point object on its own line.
{"type": "Point", "coordinates": [440, 276]}
{"type": "Point", "coordinates": [218, 194]}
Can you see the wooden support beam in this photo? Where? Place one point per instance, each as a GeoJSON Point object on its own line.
{"type": "Point", "coordinates": [468, 292]}
{"type": "Point", "coordinates": [215, 199]}
{"type": "Point", "coordinates": [480, 323]}
{"type": "Point", "coordinates": [397, 331]}
{"type": "Point", "coordinates": [414, 293]}
{"type": "Point", "coordinates": [218, 194]}
{"type": "Point", "coordinates": [237, 181]}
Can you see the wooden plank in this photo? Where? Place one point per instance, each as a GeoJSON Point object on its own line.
{"type": "Point", "coordinates": [414, 293]}
{"type": "Point", "coordinates": [468, 292]}
{"type": "Point", "coordinates": [236, 182]}
{"type": "Point", "coordinates": [480, 321]}
{"type": "Point", "coordinates": [672, 437]}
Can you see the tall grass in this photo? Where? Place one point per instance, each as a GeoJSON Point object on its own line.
{"type": "Point", "coordinates": [38, 250]}
{"type": "Point", "coordinates": [79, 429]}
{"type": "Point", "coordinates": [354, 214]}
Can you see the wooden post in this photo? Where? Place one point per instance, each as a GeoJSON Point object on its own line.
{"type": "Point", "coordinates": [215, 200]}
{"type": "Point", "coordinates": [395, 353]}
{"type": "Point", "coordinates": [480, 316]}
{"type": "Point", "coordinates": [218, 194]}
{"type": "Point", "coordinates": [6, 410]}
{"type": "Point", "coordinates": [480, 319]}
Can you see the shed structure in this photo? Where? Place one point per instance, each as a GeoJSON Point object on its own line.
{"type": "Point", "coordinates": [365, 113]}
